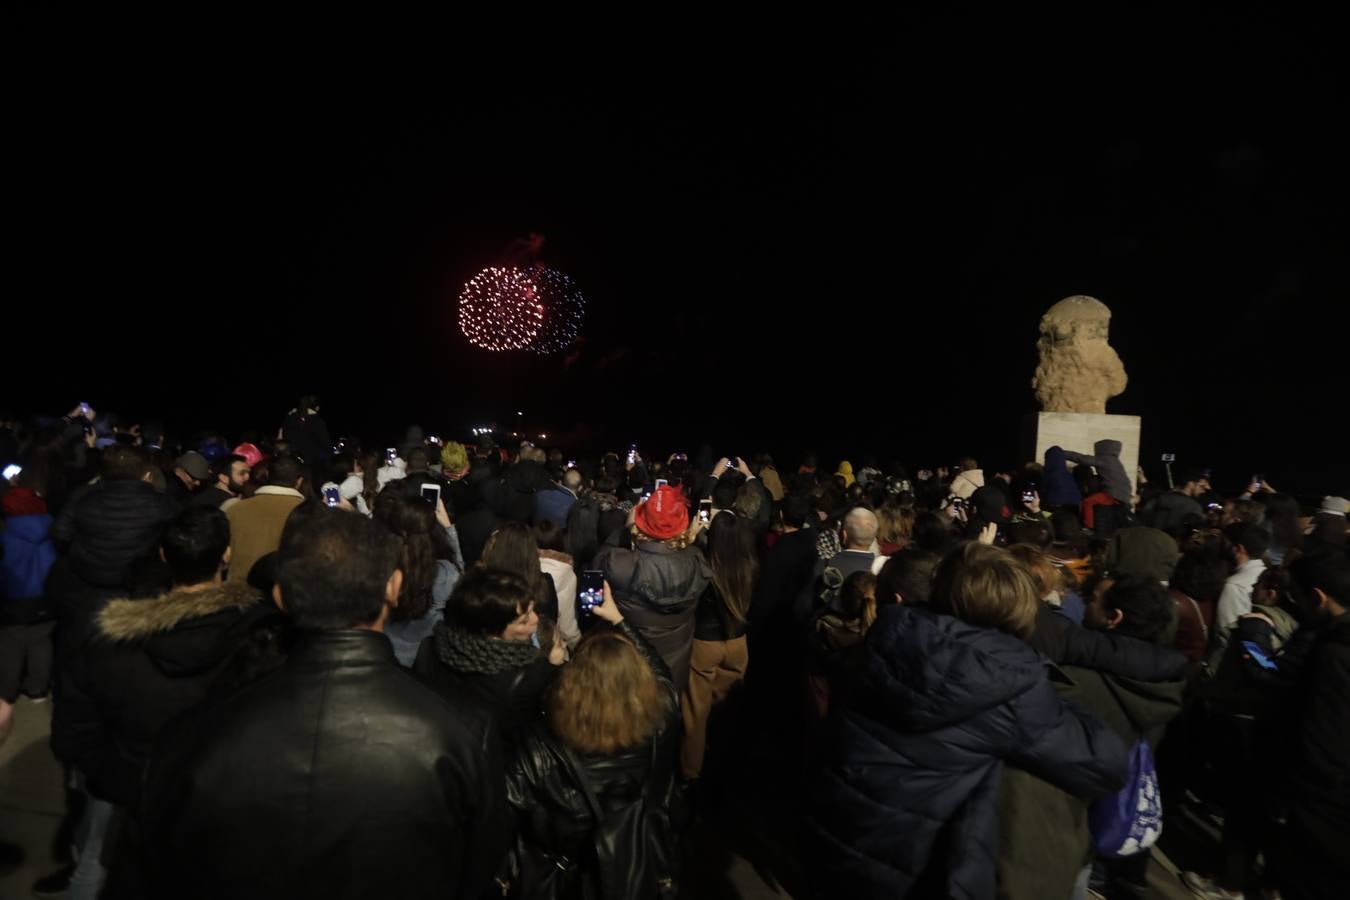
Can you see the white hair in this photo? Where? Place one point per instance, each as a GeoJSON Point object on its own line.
{"type": "Point", "coordinates": [860, 527]}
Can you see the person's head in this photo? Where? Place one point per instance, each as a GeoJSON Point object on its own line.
{"type": "Point", "coordinates": [285, 471]}
{"type": "Point", "coordinates": [607, 699]}
{"type": "Point", "coordinates": [1048, 579]}
{"type": "Point", "coordinates": [422, 544]}
{"type": "Point", "coordinates": [493, 603]}
{"type": "Point", "coordinates": [192, 470]}
{"type": "Point", "coordinates": [1321, 583]}
{"type": "Point", "coordinates": [796, 510]}
{"type": "Point", "coordinates": [967, 464]}
{"type": "Point", "coordinates": [860, 529]}
{"type": "Point", "coordinates": [454, 458]}
{"type": "Point", "coordinates": [1134, 606]}
{"type": "Point", "coordinates": [1272, 587]}
{"type": "Point", "coordinates": [734, 562]}
{"type": "Point", "coordinates": [196, 545]}
{"type": "Point", "coordinates": [933, 532]}
{"type": "Point", "coordinates": [724, 492]}
{"type": "Point", "coordinates": [583, 530]}
{"type": "Point", "coordinates": [895, 523]}
{"type": "Point", "coordinates": [572, 480]}
{"type": "Point", "coordinates": [418, 459]}
{"type": "Point", "coordinates": [1248, 541]}
{"type": "Point", "coordinates": [513, 548]}
{"type": "Point", "coordinates": [858, 598]}
{"type": "Point", "coordinates": [230, 474]}
{"type": "Point", "coordinates": [122, 462]}
{"type": "Point", "coordinates": [1193, 483]}
{"type": "Point", "coordinates": [663, 517]}
{"type": "Point", "coordinates": [1066, 525]}
{"type": "Point", "coordinates": [1201, 573]}
{"type": "Point", "coordinates": [337, 570]}
{"type": "Point", "coordinates": [606, 484]}
{"type": "Point", "coordinates": [551, 536]}
{"type": "Point", "coordinates": [1035, 533]}
{"type": "Point", "coordinates": [308, 403]}
{"type": "Point", "coordinates": [986, 587]}
{"type": "Point", "coordinates": [907, 577]}
{"type": "Point", "coordinates": [1249, 511]}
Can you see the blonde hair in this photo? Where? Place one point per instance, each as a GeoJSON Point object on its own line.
{"type": "Point", "coordinates": [607, 698]}
{"type": "Point", "coordinates": [1041, 567]}
{"type": "Point", "coordinates": [988, 587]}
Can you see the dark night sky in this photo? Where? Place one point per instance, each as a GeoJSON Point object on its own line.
{"type": "Point", "coordinates": [782, 243]}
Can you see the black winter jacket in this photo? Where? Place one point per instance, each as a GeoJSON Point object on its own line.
{"type": "Point", "coordinates": [338, 775]}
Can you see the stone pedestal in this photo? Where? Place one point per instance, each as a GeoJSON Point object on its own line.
{"type": "Point", "coordinates": [1079, 431]}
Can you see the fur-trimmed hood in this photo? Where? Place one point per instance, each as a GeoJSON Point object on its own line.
{"type": "Point", "coordinates": [182, 631]}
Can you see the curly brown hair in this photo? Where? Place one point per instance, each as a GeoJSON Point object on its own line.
{"type": "Point", "coordinates": [607, 698]}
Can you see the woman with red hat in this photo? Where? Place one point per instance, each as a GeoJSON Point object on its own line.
{"type": "Point", "coordinates": [658, 579]}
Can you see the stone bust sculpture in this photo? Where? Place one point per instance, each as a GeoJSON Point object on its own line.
{"type": "Point", "coordinates": [1078, 371]}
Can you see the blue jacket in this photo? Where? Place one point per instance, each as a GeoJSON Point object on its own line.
{"type": "Point", "coordinates": [28, 555]}
{"type": "Point", "coordinates": [1057, 485]}
{"type": "Point", "coordinates": [907, 805]}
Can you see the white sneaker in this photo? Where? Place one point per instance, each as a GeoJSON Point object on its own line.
{"type": "Point", "coordinates": [1206, 888]}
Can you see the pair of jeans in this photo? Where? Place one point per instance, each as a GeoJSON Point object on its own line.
{"type": "Point", "coordinates": [87, 880]}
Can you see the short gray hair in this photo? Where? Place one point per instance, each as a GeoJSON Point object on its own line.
{"type": "Point", "coordinates": [860, 526]}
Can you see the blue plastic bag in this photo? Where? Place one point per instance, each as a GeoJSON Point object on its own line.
{"type": "Point", "coordinates": [1129, 822]}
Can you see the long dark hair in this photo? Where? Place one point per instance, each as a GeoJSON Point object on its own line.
{"type": "Point", "coordinates": [370, 475]}
{"type": "Point", "coordinates": [1282, 511]}
{"type": "Point", "coordinates": [583, 532]}
{"type": "Point", "coordinates": [735, 566]}
{"type": "Point", "coordinates": [424, 542]}
{"type": "Point", "coordinates": [513, 548]}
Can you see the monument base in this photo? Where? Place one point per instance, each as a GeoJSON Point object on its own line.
{"type": "Point", "coordinates": [1079, 431]}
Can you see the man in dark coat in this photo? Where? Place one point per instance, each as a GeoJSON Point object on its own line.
{"type": "Point", "coordinates": [338, 774]}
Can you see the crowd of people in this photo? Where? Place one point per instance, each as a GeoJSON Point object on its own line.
{"type": "Point", "coordinates": [300, 666]}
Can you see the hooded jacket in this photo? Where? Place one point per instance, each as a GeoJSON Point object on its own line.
{"type": "Point", "coordinates": [26, 556]}
{"type": "Point", "coordinates": [149, 661]}
{"type": "Point", "coordinates": [1058, 488]}
{"type": "Point", "coordinates": [908, 803]}
{"type": "Point", "coordinates": [1105, 458]}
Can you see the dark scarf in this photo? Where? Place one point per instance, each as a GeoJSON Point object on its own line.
{"type": "Point", "coordinates": [475, 654]}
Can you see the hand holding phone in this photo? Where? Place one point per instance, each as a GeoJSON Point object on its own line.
{"type": "Point", "coordinates": [590, 591]}
{"type": "Point", "coordinates": [431, 493]}
{"type": "Point", "coordinates": [705, 511]}
{"type": "Point", "coordinates": [331, 497]}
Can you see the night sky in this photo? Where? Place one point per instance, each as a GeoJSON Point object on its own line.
{"type": "Point", "coordinates": [784, 243]}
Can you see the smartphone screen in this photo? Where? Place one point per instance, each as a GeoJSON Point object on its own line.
{"type": "Point", "coordinates": [12, 471]}
{"type": "Point", "coordinates": [591, 590]}
{"type": "Point", "coordinates": [431, 493]}
{"type": "Point", "coordinates": [331, 496]}
{"type": "Point", "coordinates": [1255, 652]}
{"type": "Point", "coordinates": [390, 454]}
{"type": "Point", "coordinates": [705, 511]}
{"type": "Point", "coordinates": [660, 483]}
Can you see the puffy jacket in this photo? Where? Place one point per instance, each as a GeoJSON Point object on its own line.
{"type": "Point", "coordinates": [112, 526]}
{"type": "Point", "coordinates": [657, 588]}
{"type": "Point", "coordinates": [907, 805]}
{"type": "Point", "coordinates": [501, 679]}
{"type": "Point", "coordinates": [149, 661]}
{"type": "Point", "coordinates": [631, 855]}
{"type": "Point", "coordinates": [26, 556]}
{"type": "Point", "coordinates": [1105, 458]}
{"type": "Point", "coordinates": [338, 775]}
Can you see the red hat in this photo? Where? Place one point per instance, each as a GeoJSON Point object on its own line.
{"type": "Point", "coordinates": [22, 501]}
{"type": "Point", "coordinates": [251, 454]}
{"type": "Point", "coordinates": [664, 514]}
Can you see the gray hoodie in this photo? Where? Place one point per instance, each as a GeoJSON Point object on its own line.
{"type": "Point", "coordinates": [1106, 460]}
